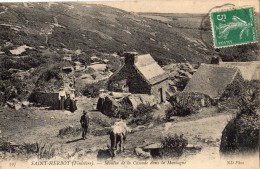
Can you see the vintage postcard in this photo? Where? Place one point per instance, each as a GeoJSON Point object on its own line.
{"type": "Point", "coordinates": [129, 84]}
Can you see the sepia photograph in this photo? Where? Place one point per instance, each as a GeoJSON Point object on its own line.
{"type": "Point", "coordinates": [129, 84]}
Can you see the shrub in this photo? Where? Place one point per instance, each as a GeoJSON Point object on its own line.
{"type": "Point", "coordinates": [47, 151]}
{"type": "Point", "coordinates": [158, 120]}
{"type": "Point", "coordinates": [125, 111]}
{"type": "Point", "coordinates": [102, 120]}
{"type": "Point", "coordinates": [241, 134]}
{"type": "Point", "coordinates": [114, 63]}
{"type": "Point", "coordinates": [29, 148]}
{"type": "Point", "coordinates": [5, 146]}
{"type": "Point", "coordinates": [143, 114]}
{"type": "Point", "coordinates": [173, 146]}
{"type": "Point", "coordinates": [242, 89]}
{"type": "Point", "coordinates": [186, 103]}
{"type": "Point", "coordinates": [69, 131]}
{"type": "Point", "coordinates": [180, 110]}
{"type": "Point", "coordinates": [92, 89]}
{"type": "Point", "coordinates": [181, 83]}
{"type": "Point", "coordinates": [85, 59]}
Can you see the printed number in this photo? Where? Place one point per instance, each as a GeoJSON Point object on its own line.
{"type": "Point", "coordinates": [221, 17]}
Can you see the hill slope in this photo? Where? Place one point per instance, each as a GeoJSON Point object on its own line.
{"type": "Point", "coordinates": [96, 28]}
{"type": "Point", "coordinates": [35, 37]}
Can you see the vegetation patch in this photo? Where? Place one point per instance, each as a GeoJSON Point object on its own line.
{"type": "Point", "coordinates": [142, 115]}
{"type": "Point", "coordinates": [241, 135]}
{"type": "Point", "coordinates": [68, 131]}
{"type": "Point", "coordinates": [173, 146]}
{"type": "Point", "coordinates": [92, 90]}
{"type": "Point", "coordinates": [186, 103]}
{"type": "Point", "coordinates": [25, 148]}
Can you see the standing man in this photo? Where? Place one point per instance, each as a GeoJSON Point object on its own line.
{"type": "Point", "coordinates": [84, 121]}
{"type": "Point", "coordinates": [62, 98]}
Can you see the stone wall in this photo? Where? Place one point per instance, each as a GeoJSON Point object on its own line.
{"type": "Point", "coordinates": [47, 99]}
{"type": "Point", "coordinates": [134, 81]}
{"type": "Point", "coordinates": [157, 89]}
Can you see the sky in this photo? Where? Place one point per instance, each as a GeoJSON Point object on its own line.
{"type": "Point", "coordinates": [166, 6]}
{"type": "Point", "coordinates": [179, 6]}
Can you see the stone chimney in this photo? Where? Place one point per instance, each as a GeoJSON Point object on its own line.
{"type": "Point", "coordinates": [130, 57]}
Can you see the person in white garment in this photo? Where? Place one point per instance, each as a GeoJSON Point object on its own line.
{"type": "Point", "coordinates": [62, 98]}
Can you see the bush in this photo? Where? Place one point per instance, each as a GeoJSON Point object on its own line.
{"type": "Point", "coordinates": [29, 148]}
{"type": "Point", "coordinates": [242, 89]}
{"type": "Point", "coordinates": [186, 103]}
{"type": "Point", "coordinates": [173, 146]}
{"type": "Point", "coordinates": [181, 83]}
{"type": "Point", "coordinates": [92, 89]}
{"type": "Point", "coordinates": [180, 110]}
{"type": "Point", "coordinates": [241, 134]}
{"type": "Point", "coordinates": [69, 131]}
{"type": "Point", "coordinates": [125, 111]}
{"type": "Point", "coordinates": [47, 151]}
{"type": "Point", "coordinates": [159, 120]}
{"type": "Point", "coordinates": [143, 114]}
{"type": "Point", "coordinates": [102, 120]}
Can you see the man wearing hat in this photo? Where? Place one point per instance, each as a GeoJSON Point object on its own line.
{"type": "Point", "coordinates": [62, 97]}
{"type": "Point", "coordinates": [84, 121]}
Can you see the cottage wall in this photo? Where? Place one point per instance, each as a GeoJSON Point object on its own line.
{"type": "Point", "coordinates": [47, 99]}
{"type": "Point", "coordinates": [159, 91]}
{"type": "Point", "coordinates": [133, 80]}
{"type": "Point", "coordinates": [134, 77]}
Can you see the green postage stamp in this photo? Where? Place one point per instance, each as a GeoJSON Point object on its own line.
{"type": "Point", "coordinates": [233, 27]}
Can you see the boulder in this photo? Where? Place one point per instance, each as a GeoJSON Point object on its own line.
{"type": "Point", "coordinates": [17, 106]}
{"type": "Point", "coordinates": [137, 99]}
{"type": "Point", "coordinates": [153, 146]}
{"type": "Point", "coordinates": [141, 127]}
{"type": "Point", "coordinates": [10, 104]}
{"type": "Point", "coordinates": [110, 106]}
{"type": "Point", "coordinates": [25, 103]}
{"type": "Point", "coordinates": [105, 154]}
{"type": "Point", "coordinates": [98, 67]}
{"type": "Point", "coordinates": [157, 107]}
{"type": "Point", "coordinates": [139, 152]}
{"type": "Point", "coordinates": [118, 95]}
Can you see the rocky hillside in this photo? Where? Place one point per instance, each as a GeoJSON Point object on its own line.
{"type": "Point", "coordinates": [34, 36]}
{"type": "Point", "coordinates": [94, 29]}
{"type": "Point", "coordinates": [102, 29]}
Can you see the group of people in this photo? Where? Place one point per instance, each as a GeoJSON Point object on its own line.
{"type": "Point", "coordinates": [67, 99]}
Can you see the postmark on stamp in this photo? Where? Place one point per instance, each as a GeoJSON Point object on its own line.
{"type": "Point", "coordinates": [233, 27]}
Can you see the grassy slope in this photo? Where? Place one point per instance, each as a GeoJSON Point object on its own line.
{"type": "Point", "coordinates": [96, 28]}
{"type": "Point", "coordinates": [196, 28]}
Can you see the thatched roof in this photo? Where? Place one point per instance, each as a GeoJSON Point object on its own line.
{"type": "Point", "coordinates": [249, 70]}
{"type": "Point", "coordinates": [211, 80]}
{"type": "Point", "coordinates": [149, 69]}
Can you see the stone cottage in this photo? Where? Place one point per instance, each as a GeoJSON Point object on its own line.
{"type": "Point", "coordinates": [212, 80]}
{"type": "Point", "coordinates": [140, 74]}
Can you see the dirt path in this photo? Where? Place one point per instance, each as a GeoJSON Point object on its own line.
{"type": "Point", "coordinates": [204, 132]}
{"type": "Point", "coordinates": [43, 126]}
